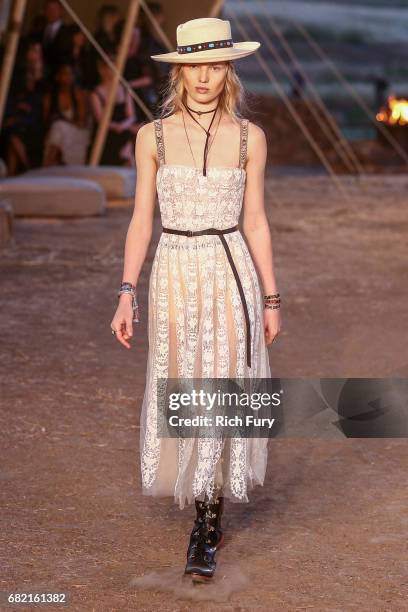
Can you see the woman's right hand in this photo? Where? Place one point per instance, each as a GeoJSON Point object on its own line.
{"type": "Point", "coordinates": [122, 321]}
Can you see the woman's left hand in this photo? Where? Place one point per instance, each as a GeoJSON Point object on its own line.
{"type": "Point", "coordinates": [272, 324]}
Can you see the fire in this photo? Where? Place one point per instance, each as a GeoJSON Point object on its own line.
{"type": "Point", "coordinates": [396, 113]}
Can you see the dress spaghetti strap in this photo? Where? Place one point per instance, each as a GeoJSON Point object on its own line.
{"type": "Point", "coordinates": [243, 141]}
{"type": "Point", "coordinates": [158, 130]}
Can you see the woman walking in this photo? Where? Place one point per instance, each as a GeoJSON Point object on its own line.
{"type": "Point", "coordinates": [208, 317]}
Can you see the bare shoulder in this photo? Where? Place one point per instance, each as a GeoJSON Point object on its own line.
{"type": "Point", "coordinates": [146, 139]}
{"type": "Point", "coordinates": [255, 134]}
{"type": "Point", "coordinates": [146, 131]}
{"type": "Point", "coordinates": [256, 146]}
{"type": "Point", "coordinates": [172, 125]}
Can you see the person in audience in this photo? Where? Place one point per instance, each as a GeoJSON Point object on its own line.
{"type": "Point", "coordinates": [67, 139]}
{"type": "Point", "coordinates": [106, 36]}
{"type": "Point", "coordinates": [138, 71]}
{"type": "Point", "coordinates": [55, 37]}
{"type": "Point", "coordinates": [152, 44]}
{"type": "Point", "coordinates": [79, 56]}
{"type": "Point", "coordinates": [30, 60]}
{"type": "Point", "coordinates": [23, 128]}
{"type": "Point", "coordinates": [119, 144]}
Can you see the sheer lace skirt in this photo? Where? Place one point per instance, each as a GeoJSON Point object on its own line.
{"type": "Point", "coordinates": [196, 329]}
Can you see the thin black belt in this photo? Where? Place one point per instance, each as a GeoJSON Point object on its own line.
{"type": "Point", "coordinates": [219, 232]}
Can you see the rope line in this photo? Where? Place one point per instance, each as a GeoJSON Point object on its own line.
{"type": "Point", "coordinates": [316, 95]}
{"type": "Point", "coordinates": [311, 107]}
{"type": "Point", "coordinates": [292, 110]}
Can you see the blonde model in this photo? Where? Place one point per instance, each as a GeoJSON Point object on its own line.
{"type": "Point", "coordinates": [208, 316]}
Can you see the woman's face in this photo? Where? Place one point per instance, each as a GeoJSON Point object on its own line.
{"type": "Point", "coordinates": [65, 76]}
{"type": "Point", "coordinates": [109, 21]}
{"type": "Point", "coordinates": [204, 82]}
{"type": "Point", "coordinates": [79, 39]}
{"type": "Point", "coordinates": [53, 11]}
{"type": "Point", "coordinates": [34, 53]}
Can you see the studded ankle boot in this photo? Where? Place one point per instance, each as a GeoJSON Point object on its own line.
{"type": "Point", "coordinates": [195, 537]}
{"type": "Point", "coordinates": [206, 539]}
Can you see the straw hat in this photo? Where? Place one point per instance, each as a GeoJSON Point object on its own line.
{"type": "Point", "coordinates": [207, 39]}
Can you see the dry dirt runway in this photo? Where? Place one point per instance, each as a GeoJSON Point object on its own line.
{"type": "Point", "coordinates": [328, 531]}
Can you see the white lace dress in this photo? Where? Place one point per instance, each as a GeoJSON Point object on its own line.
{"type": "Point", "coordinates": [196, 328]}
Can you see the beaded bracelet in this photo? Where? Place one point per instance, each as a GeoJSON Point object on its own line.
{"type": "Point", "coordinates": [272, 301]}
{"type": "Point", "coordinates": [126, 287]}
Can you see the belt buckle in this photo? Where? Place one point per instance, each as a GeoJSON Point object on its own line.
{"type": "Point", "coordinates": [189, 233]}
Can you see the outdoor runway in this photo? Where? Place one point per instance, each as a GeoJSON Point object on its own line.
{"type": "Point", "coordinates": [327, 532]}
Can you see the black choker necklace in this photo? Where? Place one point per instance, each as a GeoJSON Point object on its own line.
{"type": "Point", "coordinates": [199, 112]}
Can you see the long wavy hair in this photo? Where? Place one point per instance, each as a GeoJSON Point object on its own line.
{"type": "Point", "coordinates": [232, 99]}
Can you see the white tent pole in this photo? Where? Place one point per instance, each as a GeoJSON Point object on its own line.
{"type": "Point", "coordinates": [216, 8]}
{"type": "Point", "coordinates": [99, 142]}
{"type": "Point", "coordinates": [5, 6]}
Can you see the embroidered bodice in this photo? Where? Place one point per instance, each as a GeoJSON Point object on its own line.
{"type": "Point", "coordinates": [189, 200]}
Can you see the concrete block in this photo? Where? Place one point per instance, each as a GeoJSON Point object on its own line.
{"type": "Point", "coordinates": [53, 196]}
{"type": "Point", "coordinates": [117, 182]}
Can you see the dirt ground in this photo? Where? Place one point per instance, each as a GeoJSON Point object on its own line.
{"type": "Point", "coordinates": [328, 531]}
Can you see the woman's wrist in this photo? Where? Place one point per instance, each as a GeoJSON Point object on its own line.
{"type": "Point", "coordinates": [268, 289]}
{"type": "Point", "coordinates": [272, 301]}
{"type": "Point", "coordinates": [128, 288]}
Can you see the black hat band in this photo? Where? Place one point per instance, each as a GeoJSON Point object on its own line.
{"type": "Point", "coordinates": [215, 44]}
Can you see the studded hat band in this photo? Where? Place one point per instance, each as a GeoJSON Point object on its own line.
{"type": "Point", "coordinates": [215, 44]}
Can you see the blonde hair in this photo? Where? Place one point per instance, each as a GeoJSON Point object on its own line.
{"type": "Point", "coordinates": [232, 98]}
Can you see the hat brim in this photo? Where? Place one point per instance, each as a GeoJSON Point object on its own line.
{"type": "Point", "coordinates": [238, 50]}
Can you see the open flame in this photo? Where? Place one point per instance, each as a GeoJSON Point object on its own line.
{"type": "Point", "coordinates": [395, 113]}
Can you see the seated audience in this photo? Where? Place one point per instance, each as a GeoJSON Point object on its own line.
{"type": "Point", "coordinates": [59, 77]}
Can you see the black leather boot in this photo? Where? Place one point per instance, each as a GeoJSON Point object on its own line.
{"type": "Point", "coordinates": [195, 537]}
{"type": "Point", "coordinates": [206, 538]}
